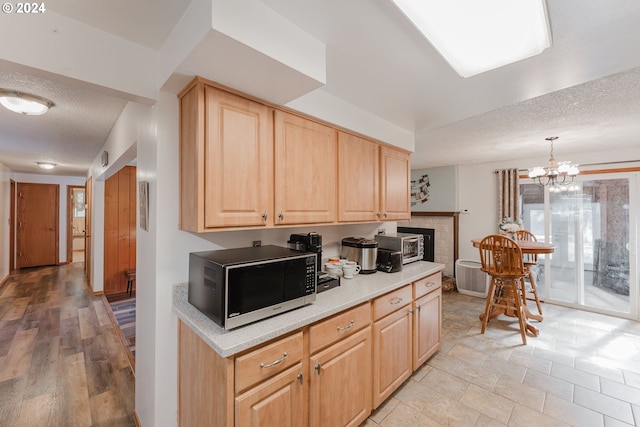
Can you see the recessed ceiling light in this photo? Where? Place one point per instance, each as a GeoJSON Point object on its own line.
{"type": "Point", "coordinates": [24, 103]}
{"type": "Point", "coordinates": [477, 36]}
{"type": "Point", "coordinates": [46, 165]}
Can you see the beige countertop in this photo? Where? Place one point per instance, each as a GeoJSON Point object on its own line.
{"type": "Point", "coordinates": [350, 293]}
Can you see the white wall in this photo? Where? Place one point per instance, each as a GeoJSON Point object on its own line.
{"type": "Point", "coordinates": [5, 193]}
{"type": "Point", "coordinates": [121, 148]}
{"type": "Point", "coordinates": [477, 191]}
{"type": "Point", "coordinates": [62, 181]}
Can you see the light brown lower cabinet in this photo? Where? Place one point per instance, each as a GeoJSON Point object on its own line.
{"type": "Point", "coordinates": [426, 327]}
{"type": "Point", "coordinates": [331, 373]}
{"type": "Point", "coordinates": [392, 343]}
{"type": "Point", "coordinates": [278, 401]}
{"type": "Point", "coordinates": [334, 401]}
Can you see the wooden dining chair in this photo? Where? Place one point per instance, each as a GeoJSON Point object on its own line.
{"type": "Point", "coordinates": [501, 259]}
{"type": "Point", "coordinates": [530, 261]}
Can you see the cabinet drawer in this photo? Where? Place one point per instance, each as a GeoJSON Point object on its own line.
{"type": "Point", "coordinates": [267, 361]}
{"type": "Point", "coordinates": [427, 284]}
{"type": "Point", "coordinates": [339, 326]}
{"type": "Point", "coordinates": [390, 302]}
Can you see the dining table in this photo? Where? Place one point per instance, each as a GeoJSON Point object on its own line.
{"type": "Point", "coordinates": [527, 247]}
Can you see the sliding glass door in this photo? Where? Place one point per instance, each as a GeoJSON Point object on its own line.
{"type": "Point", "coordinates": [591, 225]}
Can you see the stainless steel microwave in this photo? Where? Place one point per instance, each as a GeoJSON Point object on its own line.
{"type": "Point", "coordinates": [410, 245]}
{"type": "Point", "coordinates": [234, 287]}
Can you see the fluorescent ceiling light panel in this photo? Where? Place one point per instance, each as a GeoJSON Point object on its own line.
{"type": "Point", "coordinates": [476, 36]}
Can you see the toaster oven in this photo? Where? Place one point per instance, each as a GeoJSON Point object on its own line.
{"type": "Point", "coordinates": [410, 245]}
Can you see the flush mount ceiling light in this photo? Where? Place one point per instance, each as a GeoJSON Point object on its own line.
{"type": "Point", "coordinates": [477, 36]}
{"type": "Point", "coordinates": [24, 103]}
{"type": "Point", "coordinates": [46, 165]}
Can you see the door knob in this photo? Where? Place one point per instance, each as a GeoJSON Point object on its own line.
{"type": "Point", "coordinates": [52, 229]}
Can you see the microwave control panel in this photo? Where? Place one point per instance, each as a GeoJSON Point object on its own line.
{"type": "Point", "coordinates": [311, 275]}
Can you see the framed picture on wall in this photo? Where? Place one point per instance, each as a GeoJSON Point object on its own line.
{"type": "Point", "coordinates": [143, 190]}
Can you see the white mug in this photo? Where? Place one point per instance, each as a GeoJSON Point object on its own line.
{"type": "Point", "coordinates": [350, 270]}
{"type": "Point", "coordinates": [332, 268]}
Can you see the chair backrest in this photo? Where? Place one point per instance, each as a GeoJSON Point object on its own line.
{"type": "Point", "coordinates": [529, 236]}
{"type": "Point", "coordinates": [501, 256]}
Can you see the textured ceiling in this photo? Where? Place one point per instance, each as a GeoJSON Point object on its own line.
{"type": "Point", "coordinates": [69, 134]}
{"type": "Point", "coordinates": [584, 89]}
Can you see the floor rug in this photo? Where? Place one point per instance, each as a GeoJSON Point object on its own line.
{"type": "Point", "coordinates": [125, 313]}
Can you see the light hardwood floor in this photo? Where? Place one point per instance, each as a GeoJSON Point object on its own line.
{"type": "Point", "coordinates": [582, 370]}
{"type": "Point", "coordinates": [61, 363]}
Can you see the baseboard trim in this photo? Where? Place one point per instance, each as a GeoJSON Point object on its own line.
{"type": "Point", "coordinates": [5, 280]}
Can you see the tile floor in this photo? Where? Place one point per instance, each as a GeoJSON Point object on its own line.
{"type": "Point", "coordinates": [582, 370]}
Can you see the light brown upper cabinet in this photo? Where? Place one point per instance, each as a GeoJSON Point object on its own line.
{"type": "Point", "coordinates": [305, 170]}
{"type": "Point", "coordinates": [358, 179]}
{"type": "Point", "coordinates": [395, 170]}
{"type": "Point", "coordinates": [226, 152]}
{"type": "Point", "coordinates": [245, 163]}
{"type": "Point", "coordinates": [373, 181]}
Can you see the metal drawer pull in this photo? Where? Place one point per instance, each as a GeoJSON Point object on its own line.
{"type": "Point", "coordinates": [395, 301]}
{"type": "Point", "coordinates": [430, 284]}
{"type": "Point", "coordinates": [275, 362]}
{"type": "Point", "coordinates": [349, 326]}
{"type": "Point", "coordinates": [300, 378]}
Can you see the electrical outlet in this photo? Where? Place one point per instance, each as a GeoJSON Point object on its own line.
{"type": "Point", "coordinates": [257, 243]}
{"type": "Point", "coordinates": [382, 231]}
{"type": "Point", "coordinates": [465, 211]}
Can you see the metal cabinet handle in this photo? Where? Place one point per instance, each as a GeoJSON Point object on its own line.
{"type": "Point", "coordinates": [317, 368]}
{"type": "Point", "coordinates": [300, 378]}
{"type": "Point", "coordinates": [430, 284]}
{"type": "Point", "coordinates": [349, 326]}
{"type": "Point", "coordinates": [395, 301]}
{"type": "Point", "coordinates": [378, 214]}
{"type": "Point", "coordinates": [281, 215]}
{"type": "Point", "coordinates": [275, 362]}
{"type": "Point", "coordinates": [264, 215]}
{"type": "Point", "coordinates": [384, 215]}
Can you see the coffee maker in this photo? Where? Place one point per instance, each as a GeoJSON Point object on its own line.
{"type": "Point", "coordinates": [312, 242]}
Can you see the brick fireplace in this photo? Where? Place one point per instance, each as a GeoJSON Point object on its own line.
{"type": "Point", "coordinates": [445, 225]}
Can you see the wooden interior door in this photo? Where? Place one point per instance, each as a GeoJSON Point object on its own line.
{"type": "Point", "coordinates": [12, 227]}
{"type": "Point", "coordinates": [87, 228]}
{"type": "Point", "coordinates": [38, 219]}
{"type": "Point", "coordinates": [119, 229]}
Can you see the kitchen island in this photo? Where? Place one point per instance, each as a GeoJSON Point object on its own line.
{"type": "Point", "coordinates": [357, 342]}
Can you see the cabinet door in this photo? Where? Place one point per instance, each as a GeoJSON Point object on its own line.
{"type": "Point", "coordinates": [333, 401]}
{"type": "Point", "coordinates": [358, 179]}
{"type": "Point", "coordinates": [305, 171]}
{"type": "Point", "coordinates": [426, 327]}
{"type": "Point", "coordinates": [392, 358]}
{"type": "Point", "coordinates": [238, 161]}
{"type": "Point", "coordinates": [279, 401]}
{"type": "Point", "coordinates": [394, 181]}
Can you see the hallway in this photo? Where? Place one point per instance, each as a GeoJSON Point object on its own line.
{"type": "Point", "coordinates": [61, 362]}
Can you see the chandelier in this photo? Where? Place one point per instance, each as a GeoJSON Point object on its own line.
{"type": "Point", "coordinates": [556, 174]}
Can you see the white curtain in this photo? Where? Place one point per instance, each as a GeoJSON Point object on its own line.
{"type": "Point", "coordinates": [508, 194]}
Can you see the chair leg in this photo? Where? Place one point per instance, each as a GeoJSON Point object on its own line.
{"type": "Point", "coordinates": [519, 299]}
{"type": "Point", "coordinates": [487, 308]}
{"type": "Point", "coordinates": [534, 290]}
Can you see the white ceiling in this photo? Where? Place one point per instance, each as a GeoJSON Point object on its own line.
{"type": "Point", "coordinates": [585, 88]}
